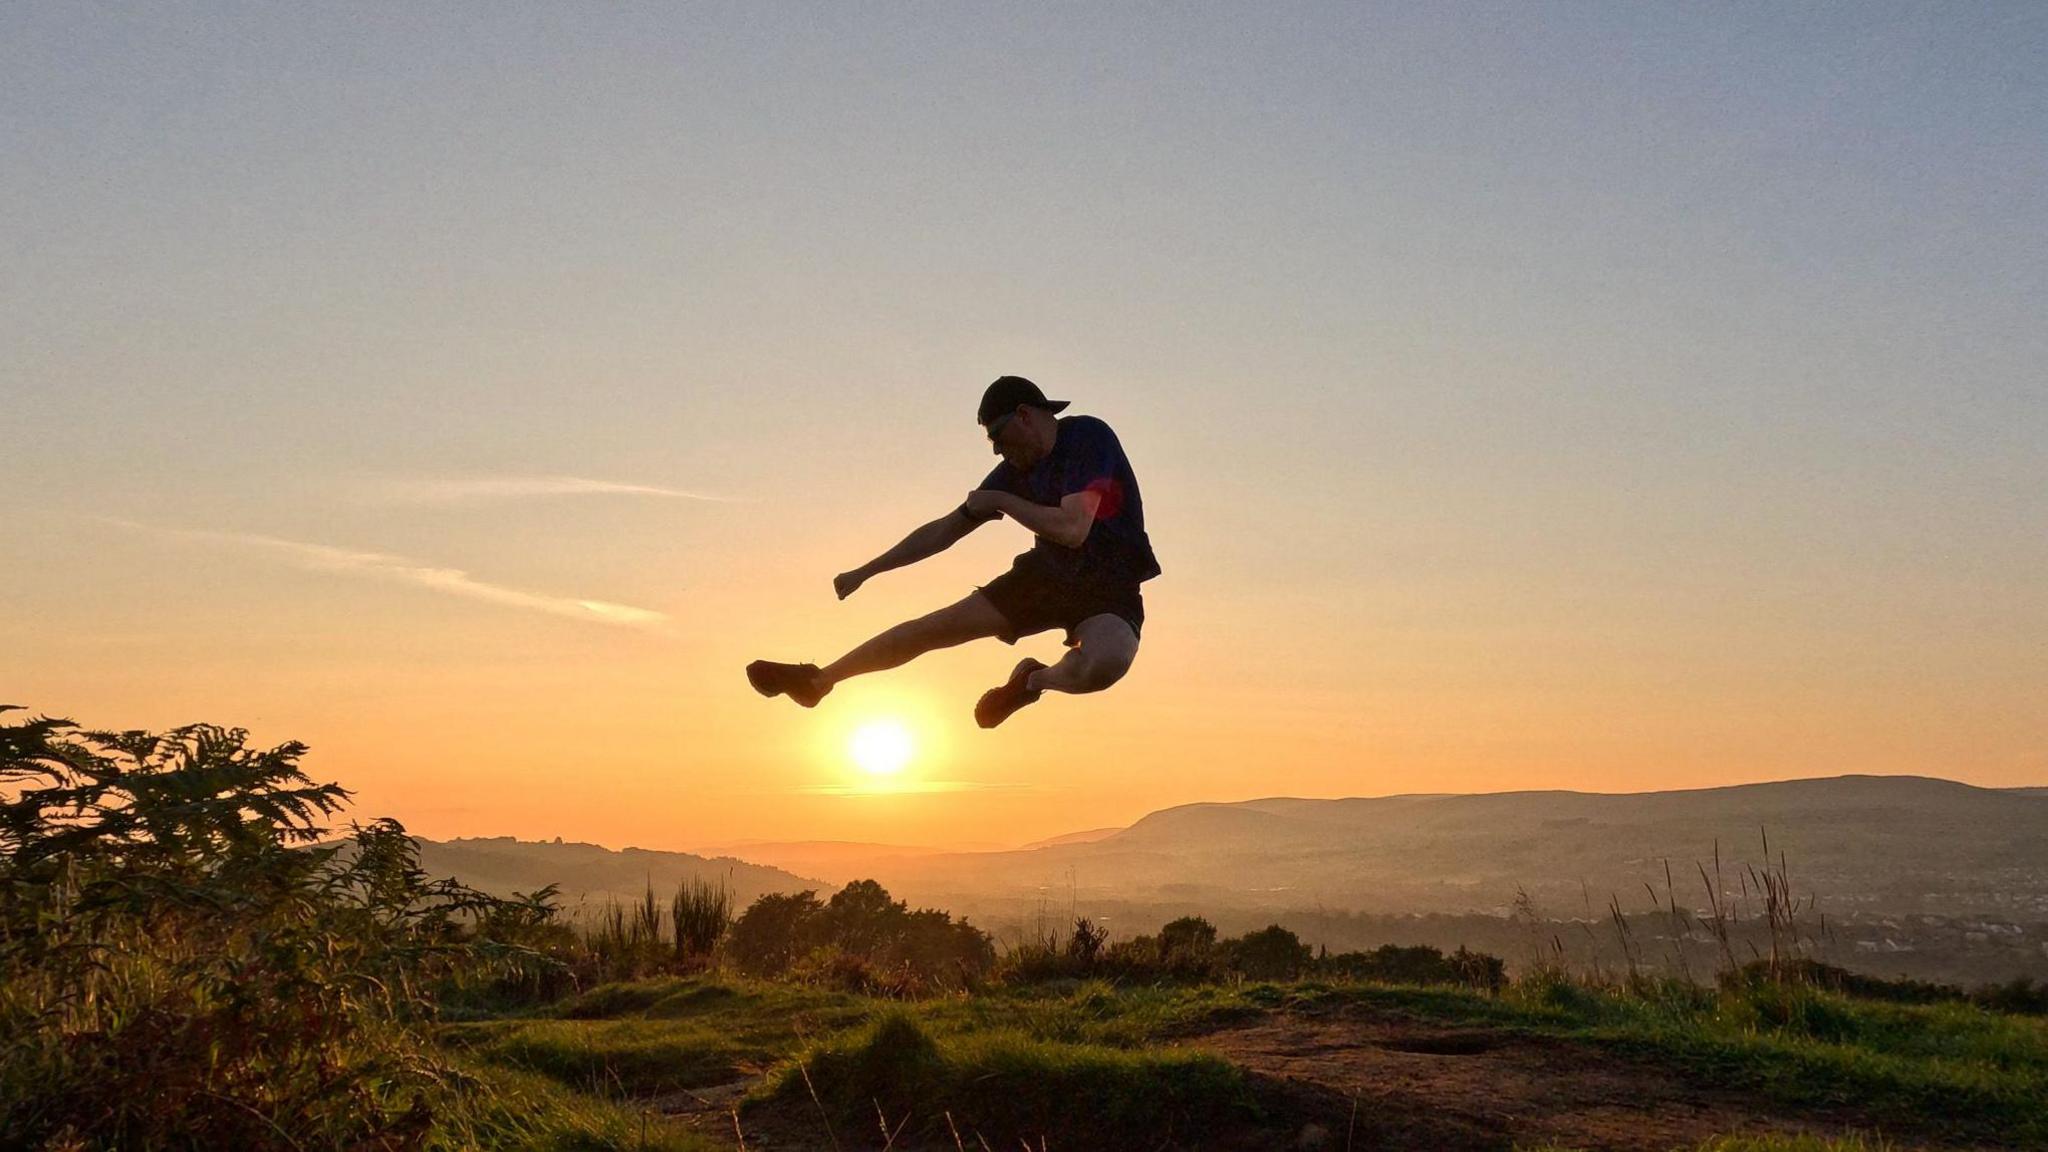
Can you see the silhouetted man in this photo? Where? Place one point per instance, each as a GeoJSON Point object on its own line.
{"type": "Point", "coordinates": [1066, 479]}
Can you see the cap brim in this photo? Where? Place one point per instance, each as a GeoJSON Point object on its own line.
{"type": "Point", "coordinates": [1055, 405]}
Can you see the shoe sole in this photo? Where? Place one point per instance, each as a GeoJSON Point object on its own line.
{"type": "Point", "coordinates": [756, 673]}
{"type": "Point", "coordinates": [1024, 668]}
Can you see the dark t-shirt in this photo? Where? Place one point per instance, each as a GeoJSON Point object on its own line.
{"type": "Point", "coordinates": [1085, 457]}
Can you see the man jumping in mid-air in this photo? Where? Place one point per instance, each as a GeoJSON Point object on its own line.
{"type": "Point", "coordinates": [1068, 481]}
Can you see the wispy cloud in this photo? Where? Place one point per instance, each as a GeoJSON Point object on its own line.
{"type": "Point", "coordinates": [399, 569]}
{"type": "Point", "coordinates": [460, 490]}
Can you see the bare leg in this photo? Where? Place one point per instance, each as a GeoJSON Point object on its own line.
{"type": "Point", "coordinates": [1107, 647]}
{"type": "Point", "coordinates": [968, 619]}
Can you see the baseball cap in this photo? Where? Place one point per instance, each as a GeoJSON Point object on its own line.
{"type": "Point", "coordinates": [1007, 393]}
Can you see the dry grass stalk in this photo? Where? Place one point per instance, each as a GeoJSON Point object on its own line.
{"type": "Point", "coordinates": [813, 1090]}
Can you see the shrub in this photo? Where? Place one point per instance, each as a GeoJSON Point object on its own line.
{"type": "Point", "coordinates": [773, 932]}
{"type": "Point", "coordinates": [896, 947]}
{"type": "Point", "coordinates": [701, 912]}
{"type": "Point", "coordinates": [2021, 995]}
{"type": "Point", "coordinates": [1086, 942]}
{"type": "Point", "coordinates": [861, 918]}
{"type": "Point", "coordinates": [843, 971]}
{"type": "Point", "coordinates": [945, 951]}
{"type": "Point", "coordinates": [1188, 936]}
{"type": "Point", "coordinates": [1271, 953]}
{"type": "Point", "coordinates": [181, 965]}
{"type": "Point", "coordinates": [1421, 964]}
{"type": "Point", "coordinates": [1080, 956]}
{"type": "Point", "coordinates": [1040, 961]}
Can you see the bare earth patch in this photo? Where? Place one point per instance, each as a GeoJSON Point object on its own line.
{"type": "Point", "coordinates": [1357, 1078]}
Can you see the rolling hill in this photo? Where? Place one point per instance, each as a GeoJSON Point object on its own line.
{"type": "Point", "coordinates": [1896, 844]}
{"type": "Point", "coordinates": [590, 874]}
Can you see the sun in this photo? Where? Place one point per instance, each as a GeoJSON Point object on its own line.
{"type": "Point", "coordinates": [881, 747]}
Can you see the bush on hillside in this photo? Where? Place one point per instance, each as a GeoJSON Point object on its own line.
{"type": "Point", "coordinates": [181, 965]}
{"type": "Point", "coordinates": [1419, 964]}
{"type": "Point", "coordinates": [1189, 936]}
{"type": "Point", "coordinates": [1271, 953]}
{"type": "Point", "coordinates": [1186, 951]}
{"type": "Point", "coordinates": [773, 931]}
{"type": "Point", "coordinates": [861, 940]}
{"type": "Point", "coordinates": [2021, 995]}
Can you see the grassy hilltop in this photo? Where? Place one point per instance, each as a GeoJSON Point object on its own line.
{"type": "Point", "coordinates": [187, 960]}
{"type": "Point", "coordinates": [713, 1060]}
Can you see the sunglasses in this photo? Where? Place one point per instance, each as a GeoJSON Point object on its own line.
{"type": "Point", "coordinates": [995, 426]}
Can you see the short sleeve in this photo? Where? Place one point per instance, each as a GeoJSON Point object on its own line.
{"type": "Point", "coordinates": [1094, 466]}
{"type": "Point", "coordinates": [998, 480]}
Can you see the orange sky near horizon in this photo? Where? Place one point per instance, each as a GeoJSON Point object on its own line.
{"type": "Point", "coordinates": [468, 719]}
{"type": "Point", "coordinates": [1536, 398]}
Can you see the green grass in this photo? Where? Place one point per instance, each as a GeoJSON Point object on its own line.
{"type": "Point", "coordinates": [1037, 1062]}
{"type": "Point", "coordinates": [1005, 1085]}
{"type": "Point", "coordinates": [660, 1036]}
{"type": "Point", "coordinates": [1754, 1144]}
{"type": "Point", "coordinates": [625, 1057]}
{"type": "Point", "coordinates": [1034, 1062]}
{"type": "Point", "coordinates": [1092, 1012]}
{"type": "Point", "coordinates": [522, 1112]}
{"type": "Point", "coordinates": [1979, 1074]}
{"type": "Point", "coordinates": [1793, 1144]}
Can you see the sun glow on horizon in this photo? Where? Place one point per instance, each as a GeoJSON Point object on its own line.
{"type": "Point", "coordinates": [882, 747]}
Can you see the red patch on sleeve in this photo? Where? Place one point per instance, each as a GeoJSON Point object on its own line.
{"type": "Point", "coordinates": [1112, 494]}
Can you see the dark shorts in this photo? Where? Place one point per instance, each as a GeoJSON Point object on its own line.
{"type": "Point", "coordinates": [1035, 598]}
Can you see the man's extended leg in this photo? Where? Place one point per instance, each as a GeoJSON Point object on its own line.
{"type": "Point", "coordinates": [1104, 647]}
{"type": "Point", "coordinates": [970, 618]}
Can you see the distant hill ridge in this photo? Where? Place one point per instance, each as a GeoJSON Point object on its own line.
{"type": "Point", "coordinates": [1831, 795]}
{"type": "Point", "coordinates": [1875, 842]}
{"type": "Point", "coordinates": [592, 873]}
{"type": "Point", "coordinates": [1088, 837]}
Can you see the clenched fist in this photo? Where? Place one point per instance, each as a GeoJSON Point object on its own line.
{"type": "Point", "coordinates": [847, 583]}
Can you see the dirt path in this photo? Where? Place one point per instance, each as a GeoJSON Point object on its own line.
{"type": "Point", "coordinates": [1361, 1079]}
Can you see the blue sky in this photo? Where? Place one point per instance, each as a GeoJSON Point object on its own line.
{"type": "Point", "coordinates": [1547, 395]}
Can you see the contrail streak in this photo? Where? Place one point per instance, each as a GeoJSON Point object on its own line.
{"type": "Point", "coordinates": [455, 491]}
{"type": "Point", "coordinates": [398, 569]}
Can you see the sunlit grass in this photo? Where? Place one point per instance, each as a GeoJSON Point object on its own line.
{"type": "Point", "coordinates": [525, 1112]}
{"type": "Point", "coordinates": [1984, 1074]}
{"type": "Point", "coordinates": [1004, 1085]}
{"type": "Point", "coordinates": [1800, 1143]}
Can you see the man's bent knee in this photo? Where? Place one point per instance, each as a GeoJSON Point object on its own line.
{"type": "Point", "coordinates": [1099, 672]}
{"type": "Point", "coordinates": [1107, 645]}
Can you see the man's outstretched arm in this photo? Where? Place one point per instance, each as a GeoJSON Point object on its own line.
{"type": "Point", "coordinates": [926, 541]}
{"type": "Point", "coordinates": [1066, 523]}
